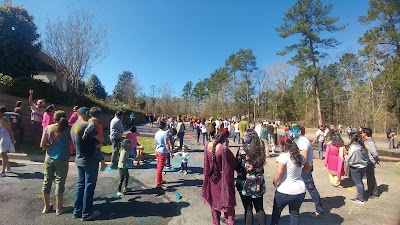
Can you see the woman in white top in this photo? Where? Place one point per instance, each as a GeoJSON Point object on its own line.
{"type": "Point", "coordinates": [290, 187]}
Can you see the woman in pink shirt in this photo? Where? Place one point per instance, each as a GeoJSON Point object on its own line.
{"type": "Point", "coordinates": [48, 116]}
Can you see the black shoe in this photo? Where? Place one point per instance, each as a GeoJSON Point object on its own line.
{"type": "Point", "coordinates": [92, 217]}
{"type": "Point", "coordinates": [76, 216]}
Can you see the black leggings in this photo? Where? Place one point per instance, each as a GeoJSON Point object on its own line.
{"type": "Point", "coordinates": [248, 203]}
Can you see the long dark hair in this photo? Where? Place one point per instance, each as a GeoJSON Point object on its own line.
{"type": "Point", "coordinates": [356, 137]}
{"type": "Point", "coordinates": [219, 139]}
{"type": "Point", "coordinates": [255, 150]}
{"type": "Point", "coordinates": [295, 155]}
{"type": "Point", "coordinates": [60, 117]}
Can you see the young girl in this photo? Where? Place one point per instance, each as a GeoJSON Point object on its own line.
{"type": "Point", "coordinates": [123, 164]}
{"type": "Point", "coordinates": [95, 123]}
{"type": "Point", "coordinates": [136, 150]}
{"type": "Point", "coordinates": [185, 159]}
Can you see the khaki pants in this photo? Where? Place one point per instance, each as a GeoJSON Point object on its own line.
{"type": "Point", "coordinates": [57, 168]}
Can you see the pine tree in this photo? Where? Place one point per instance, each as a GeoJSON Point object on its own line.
{"type": "Point", "coordinates": [94, 87]}
{"type": "Point", "coordinates": [309, 18]}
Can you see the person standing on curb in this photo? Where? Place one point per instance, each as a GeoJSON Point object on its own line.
{"type": "Point", "coordinates": [88, 166]}
{"type": "Point", "coordinates": [116, 130]}
{"type": "Point", "coordinates": [36, 117]}
{"type": "Point", "coordinates": [373, 159]}
{"type": "Point", "coordinates": [305, 148]}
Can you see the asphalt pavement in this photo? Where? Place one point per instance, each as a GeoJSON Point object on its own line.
{"type": "Point", "coordinates": [21, 198]}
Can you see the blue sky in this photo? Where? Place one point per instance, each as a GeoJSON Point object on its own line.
{"type": "Point", "coordinates": [170, 42]}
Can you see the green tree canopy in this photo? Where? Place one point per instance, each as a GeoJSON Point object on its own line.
{"type": "Point", "coordinates": [95, 87]}
{"type": "Point", "coordinates": [126, 88]}
{"type": "Point", "coordinates": [387, 32]}
{"type": "Point", "coordinates": [309, 18]}
{"type": "Point", "coordinates": [19, 41]}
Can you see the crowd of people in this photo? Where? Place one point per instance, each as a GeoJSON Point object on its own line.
{"type": "Point", "coordinates": [82, 134]}
{"type": "Point", "coordinates": [293, 176]}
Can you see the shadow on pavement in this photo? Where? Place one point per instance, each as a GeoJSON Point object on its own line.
{"type": "Point", "coordinates": [383, 188]}
{"type": "Point", "coordinates": [35, 175]}
{"type": "Point", "coordinates": [328, 219]}
{"type": "Point", "coordinates": [184, 182]}
{"type": "Point", "coordinates": [134, 208]}
{"type": "Point", "coordinates": [347, 182]}
{"type": "Point", "coordinates": [14, 164]}
{"type": "Point", "coordinates": [334, 202]}
{"type": "Point", "coordinates": [239, 219]}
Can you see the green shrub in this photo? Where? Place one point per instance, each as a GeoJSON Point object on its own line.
{"type": "Point", "coordinates": [6, 82]}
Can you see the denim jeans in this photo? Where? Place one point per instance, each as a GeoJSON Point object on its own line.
{"type": "Point", "coordinates": [280, 202]}
{"type": "Point", "coordinates": [87, 179]}
{"type": "Point", "coordinates": [270, 137]}
{"type": "Point", "coordinates": [357, 176]}
{"type": "Point", "coordinates": [205, 138]}
{"type": "Point", "coordinates": [168, 161]}
{"type": "Point", "coordinates": [371, 180]}
{"type": "Point", "coordinates": [180, 136]}
{"type": "Point", "coordinates": [198, 137]}
{"type": "Point", "coordinates": [236, 135]}
{"type": "Point", "coordinates": [321, 149]}
{"type": "Point", "coordinates": [184, 166]}
{"type": "Point", "coordinates": [312, 190]}
{"type": "Point", "coordinates": [115, 152]}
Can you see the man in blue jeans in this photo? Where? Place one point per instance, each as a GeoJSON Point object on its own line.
{"type": "Point", "coordinates": [88, 166]}
{"type": "Point", "coordinates": [305, 148]}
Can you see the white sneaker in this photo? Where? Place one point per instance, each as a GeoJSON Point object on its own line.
{"type": "Point", "coordinates": [185, 173]}
{"type": "Point", "coordinates": [2, 174]}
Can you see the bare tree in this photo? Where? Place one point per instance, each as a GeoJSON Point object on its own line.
{"type": "Point", "coordinates": [76, 45]}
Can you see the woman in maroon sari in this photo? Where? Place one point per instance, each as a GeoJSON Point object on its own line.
{"type": "Point", "coordinates": [334, 160]}
{"type": "Point", "coordinates": [218, 186]}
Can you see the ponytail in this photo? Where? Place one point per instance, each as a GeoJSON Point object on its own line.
{"type": "Point", "coordinates": [62, 124]}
